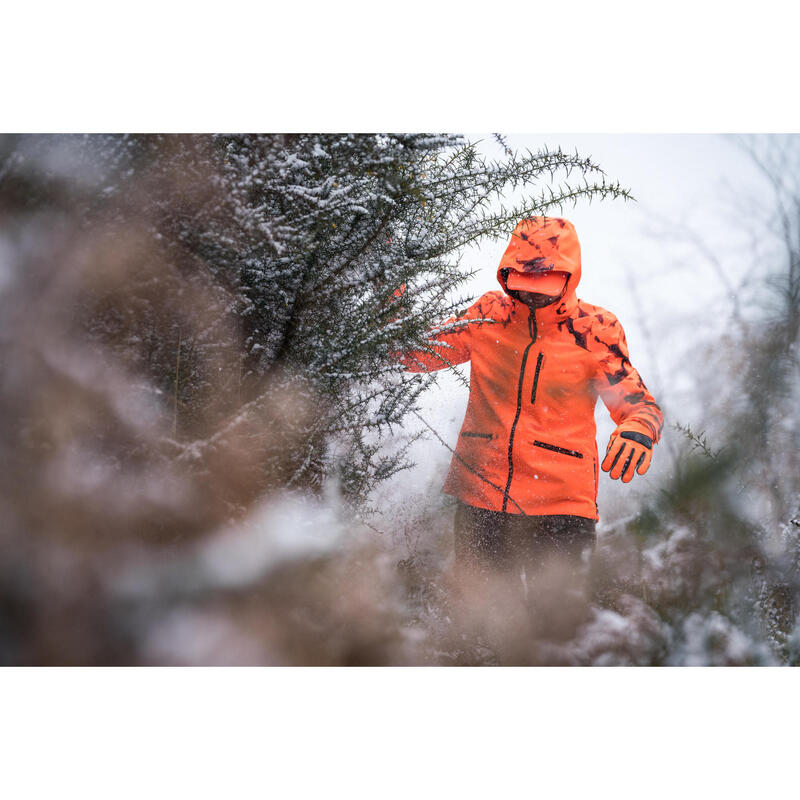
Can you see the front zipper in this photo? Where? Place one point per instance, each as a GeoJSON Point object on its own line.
{"type": "Point", "coordinates": [532, 331]}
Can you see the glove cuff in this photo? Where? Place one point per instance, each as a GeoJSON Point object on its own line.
{"type": "Point", "coordinates": [636, 427]}
{"type": "Point", "coordinates": [640, 438]}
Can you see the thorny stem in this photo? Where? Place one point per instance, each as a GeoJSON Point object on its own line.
{"type": "Point", "coordinates": [698, 440]}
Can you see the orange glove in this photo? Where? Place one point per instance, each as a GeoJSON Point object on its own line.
{"type": "Point", "coordinates": [628, 452]}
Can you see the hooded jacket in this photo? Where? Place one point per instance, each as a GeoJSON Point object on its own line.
{"type": "Point", "coordinates": [528, 441]}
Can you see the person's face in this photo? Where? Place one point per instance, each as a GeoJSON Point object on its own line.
{"type": "Point", "coordinates": [536, 300]}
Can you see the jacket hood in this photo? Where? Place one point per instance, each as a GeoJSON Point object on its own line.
{"type": "Point", "coordinates": [543, 244]}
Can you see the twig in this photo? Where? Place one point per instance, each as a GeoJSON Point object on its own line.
{"type": "Point", "coordinates": [698, 440]}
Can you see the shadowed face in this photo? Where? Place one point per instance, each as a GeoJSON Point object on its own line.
{"type": "Point", "coordinates": [536, 300]}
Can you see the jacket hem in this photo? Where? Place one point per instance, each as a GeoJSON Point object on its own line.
{"type": "Point", "coordinates": [542, 511]}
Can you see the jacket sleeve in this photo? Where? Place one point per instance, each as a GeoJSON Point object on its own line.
{"type": "Point", "coordinates": [619, 384]}
{"type": "Point", "coordinates": [448, 344]}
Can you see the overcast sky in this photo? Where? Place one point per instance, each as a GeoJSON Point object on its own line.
{"type": "Point", "coordinates": [681, 183]}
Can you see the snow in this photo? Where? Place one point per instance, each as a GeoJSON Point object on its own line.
{"type": "Point", "coordinates": [290, 528]}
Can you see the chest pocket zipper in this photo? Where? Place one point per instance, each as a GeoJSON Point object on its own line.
{"type": "Point", "coordinates": [539, 361]}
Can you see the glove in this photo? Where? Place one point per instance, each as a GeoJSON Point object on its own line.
{"type": "Point", "coordinates": [629, 451]}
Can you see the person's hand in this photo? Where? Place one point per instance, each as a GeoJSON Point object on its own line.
{"type": "Point", "coordinates": [628, 452]}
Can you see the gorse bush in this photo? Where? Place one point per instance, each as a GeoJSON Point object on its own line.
{"type": "Point", "coordinates": [252, 272]}
{"type": "Point", "coordinates": [191, 324]}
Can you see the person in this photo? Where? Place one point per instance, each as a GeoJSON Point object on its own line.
{"type": "Point", "coordinates": [525, 468]}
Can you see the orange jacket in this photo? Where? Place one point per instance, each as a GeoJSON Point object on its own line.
{"type": "Point", "coordinates": [528, 441]}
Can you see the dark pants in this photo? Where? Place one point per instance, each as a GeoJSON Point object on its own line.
{"type": "Point", "coordinates": [491, 541]}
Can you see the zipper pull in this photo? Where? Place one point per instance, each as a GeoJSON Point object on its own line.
{"type": "Point", "coordinates": [532, 329]}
